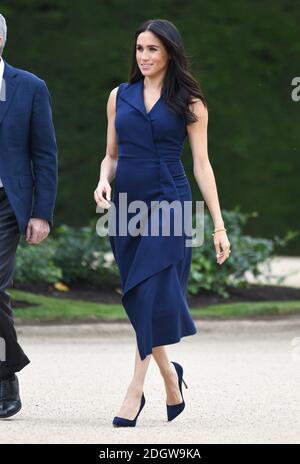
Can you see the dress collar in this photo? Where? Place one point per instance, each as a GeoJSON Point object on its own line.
{"type": "Point", "coordinates": [133, 94]}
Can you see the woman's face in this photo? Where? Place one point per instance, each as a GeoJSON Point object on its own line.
{"type": "Point", "coordinates": [151, 55]}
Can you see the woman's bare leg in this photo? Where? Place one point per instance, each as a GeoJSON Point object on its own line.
{"type": "Point", "coordinates": [132, 401]}
{"type": "Point", "coordinates": [169, 375]}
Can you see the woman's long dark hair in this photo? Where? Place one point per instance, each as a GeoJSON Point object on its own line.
{"type": "Point", "coordinates": [179, 88]}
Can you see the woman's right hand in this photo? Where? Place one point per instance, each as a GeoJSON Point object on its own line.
{"type": "Point", "coordinates": [103, 188]}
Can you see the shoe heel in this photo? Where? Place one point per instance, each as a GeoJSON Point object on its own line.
{"type": "Point", "coordinates": [123, 422]}
{"type": "Point", "coordinates": [176, 409]}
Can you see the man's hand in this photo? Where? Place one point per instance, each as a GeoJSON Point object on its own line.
{"type": "Point", "coordinates": [37, 230]}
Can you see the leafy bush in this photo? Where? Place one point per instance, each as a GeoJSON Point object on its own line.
{"type": "Point", "coordinates": [79, 255]}
{"type": "Point", "coordinates": [84, 256]}
{"type": "Point", "coordinates": [246, 255]}
{"type": "Point", "coordinates": [35, 263]}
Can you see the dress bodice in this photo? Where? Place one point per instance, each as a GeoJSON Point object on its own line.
{"type": "Point", "coordinates": [159, 132]}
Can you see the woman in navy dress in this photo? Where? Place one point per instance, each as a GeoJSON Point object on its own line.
{"type": "Point", "coordinates": [149, 118]}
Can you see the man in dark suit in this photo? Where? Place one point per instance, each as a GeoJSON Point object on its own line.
{"type": "Point", "coordinates": [28, 186]}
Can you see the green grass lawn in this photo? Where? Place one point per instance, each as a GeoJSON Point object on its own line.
{"type": "Point", "coordinates": [62, 309]}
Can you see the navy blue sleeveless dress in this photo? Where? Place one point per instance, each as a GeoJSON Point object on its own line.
{"type": "Point", "coordinates": [154, 270]}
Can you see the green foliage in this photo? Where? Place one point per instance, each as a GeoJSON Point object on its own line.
{"type": "Point", "coordinates": [42, 308]}
{"type": "Point", "coordinates": [84, 256]}
{"type": "Point", "coordinates": [246, 255]}
{"type": "Point", "coordinates": [80, 255]}
{"type": "Point", "coordinates": [72, 255]}
{"type": "Point", "coordinates": [36, 263]}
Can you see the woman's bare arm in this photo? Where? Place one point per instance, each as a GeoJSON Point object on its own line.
{"type": "Point", "coordinates": [203, 172]}
{"type": "Point", "coordinates": [109, 163]}
{"type": "Point", "coordinates": [204, 175]}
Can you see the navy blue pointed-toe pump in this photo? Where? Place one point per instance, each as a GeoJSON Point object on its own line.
{"type": "Point", "coordinates": [122, 422]}
{"type": "Point", "coordinates": [175, 409]}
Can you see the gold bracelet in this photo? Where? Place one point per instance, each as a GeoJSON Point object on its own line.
{"type": "Point", "coordinates": [218, 230]}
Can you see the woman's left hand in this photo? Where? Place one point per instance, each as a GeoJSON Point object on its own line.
{"type": "Point", "coordinates": [222, 246]}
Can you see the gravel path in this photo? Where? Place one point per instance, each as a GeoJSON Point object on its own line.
{"type": "Point", "coordinates": [243, 382]}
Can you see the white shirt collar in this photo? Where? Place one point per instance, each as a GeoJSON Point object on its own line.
{"type": "Point", "coordinates": [1, 70]}
{"type": "Point", "coordinates": [1, 78]}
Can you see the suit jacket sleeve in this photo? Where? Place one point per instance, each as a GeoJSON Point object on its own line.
{"type": "Point", "coordinates": [43, 151]}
